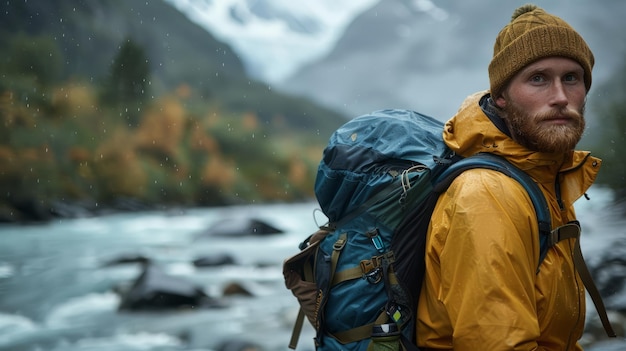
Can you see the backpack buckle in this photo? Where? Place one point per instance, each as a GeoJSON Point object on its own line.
{"type": "Point", "coordinates": [570, 230]}
{"type": "Point", "coordinates": [339, 244]}
{"type": "Point", "coordinates": [374, 277]}
{"type": "Point", "coordinates": [372, 270]}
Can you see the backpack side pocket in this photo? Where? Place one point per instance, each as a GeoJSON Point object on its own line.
{"type": "Point", "coordinates": [299, 274]}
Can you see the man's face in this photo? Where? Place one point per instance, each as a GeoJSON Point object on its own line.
{"type": "Point", "coordinates": [544, 105]}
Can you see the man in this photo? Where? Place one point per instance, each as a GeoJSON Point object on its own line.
{"type": "Point", "coordinates": [482, 290]}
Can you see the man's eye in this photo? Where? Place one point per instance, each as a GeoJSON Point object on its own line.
{"type": "Point", "coordinates": [570, 78]}
{"type": "Point", "coordinates": [536, 79]}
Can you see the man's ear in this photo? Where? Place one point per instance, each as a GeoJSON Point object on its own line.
{"type": "Point", "coordinates": [500, 101]}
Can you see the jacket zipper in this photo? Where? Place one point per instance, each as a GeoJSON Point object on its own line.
{"type": "Point", "coordinates": [557, 189]}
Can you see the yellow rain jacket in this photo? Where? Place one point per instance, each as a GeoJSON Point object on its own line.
{"type": "Point", "coordinates": [481, 289]}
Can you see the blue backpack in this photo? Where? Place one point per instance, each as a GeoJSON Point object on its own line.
{"type": "Point", "coordinates": [358, 278]}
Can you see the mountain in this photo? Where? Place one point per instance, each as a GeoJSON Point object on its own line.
{"type": "Point", "coordinates": [89, 35]}
{"type": "Point", "coordinates": [360, 56]}
{"type": "Point", "coordinates": [274, 37]}
{"type": "Point", "coordinates": [427, 57]}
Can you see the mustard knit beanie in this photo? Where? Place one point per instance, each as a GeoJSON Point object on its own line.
{"type": "Point", "coordinates": [531, 35]}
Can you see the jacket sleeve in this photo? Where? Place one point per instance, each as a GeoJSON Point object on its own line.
{"type": "Point", "coordinates": [485, 240]}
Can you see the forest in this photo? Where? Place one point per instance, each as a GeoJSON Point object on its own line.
{"type": "Point", "coordinates": [143, 127]}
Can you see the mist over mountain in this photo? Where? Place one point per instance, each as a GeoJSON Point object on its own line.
{"type": "Point", "coordinates": [274, 37]}
{"type": "Point", "coordinates": [394, 55]}
{"type": "Point", "coordinates": [419, 54]}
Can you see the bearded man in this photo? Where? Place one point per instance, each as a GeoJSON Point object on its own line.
{"type": "Point", "coordinates": [482, 290]}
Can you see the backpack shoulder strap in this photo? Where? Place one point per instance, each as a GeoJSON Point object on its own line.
{"type": "Point", "coordinates": [498, 163]}
{"type": "Point", "coordinates": [571, 230]}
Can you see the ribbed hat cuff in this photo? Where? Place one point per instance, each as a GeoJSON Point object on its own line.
{"type": "Point", "coordinates": [540, 42]}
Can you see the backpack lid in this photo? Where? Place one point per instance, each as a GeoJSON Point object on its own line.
{"type": "Point", "coordinates": [360, 155]}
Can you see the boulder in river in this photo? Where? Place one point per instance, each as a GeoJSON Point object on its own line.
{"type": "Point", "coordinates": [156, 290]}
{"type": "Point", "coordinates": [236, 289]}
{"type": "Point", "coordinates": [236, 227]}
{"type": "Point", "coordinates": [214, 260]}
{"type": "Point", "coordinates": [127, 259]}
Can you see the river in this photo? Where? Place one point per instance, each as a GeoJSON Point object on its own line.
{"type": "Point", "coordinates": [58, 293]}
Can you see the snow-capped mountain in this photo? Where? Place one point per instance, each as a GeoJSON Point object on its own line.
{"type": "Point", "coordinates": [358, 56]}
{"type": "Point", "coordinates": [394, 55]}
{"type": "Point", "coordinates": [274, 38]}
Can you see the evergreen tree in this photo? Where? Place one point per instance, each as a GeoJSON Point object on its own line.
{"type": "Point", "coordinates": [127, 87]}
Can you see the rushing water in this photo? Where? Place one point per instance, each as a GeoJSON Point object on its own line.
{"type": "Point", "coordinates": [57, 293]}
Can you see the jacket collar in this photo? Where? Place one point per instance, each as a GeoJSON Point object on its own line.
{"type": "Point", "coordinates": [488, 106]}
{"type": "Point", "coordinates": [475, 128]}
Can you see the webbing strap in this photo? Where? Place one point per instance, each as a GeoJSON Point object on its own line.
{"type": "Point", "coordinates": [358, 272]}
{"type": "Point", "coordinates": [334, 257]}
{"type": "Point", "coordinates": [359, 333]}
{"type": "Point", "coordinates": [297, 329]}
{"type": "Point", "coordinates": [572, 231]}
{"type": "Point", "coordinates": [347, 274]}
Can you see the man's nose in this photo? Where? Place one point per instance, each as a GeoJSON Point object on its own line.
{"type": "Point", "coordinates": [558, 94]}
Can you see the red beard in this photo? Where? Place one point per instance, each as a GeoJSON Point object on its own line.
{"type": "Point", "coordinates": [537, 134]}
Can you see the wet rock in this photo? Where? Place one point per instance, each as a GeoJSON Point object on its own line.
{"type": "Point", "coordinates": [233, 289]}
{"type": "Point", "coordinates": [240, 227]}
{"type": "Point", "coordinates": [156, 290]}
{"type": "Point", "coordinates": [126, 259]}
{"type": "Point", "coordinates": [214, 260]}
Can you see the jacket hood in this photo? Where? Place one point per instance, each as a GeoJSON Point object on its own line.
{"type": "Point", "coordinates": [471, 131]}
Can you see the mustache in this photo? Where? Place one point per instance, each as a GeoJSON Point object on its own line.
{"type": "Point", "coordinates": [562, 113]}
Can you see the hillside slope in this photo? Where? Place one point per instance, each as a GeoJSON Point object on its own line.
{"type": "Point", "coordinates": [126, 104]}
{"type": "Point", "coordinates": [90, 33]}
